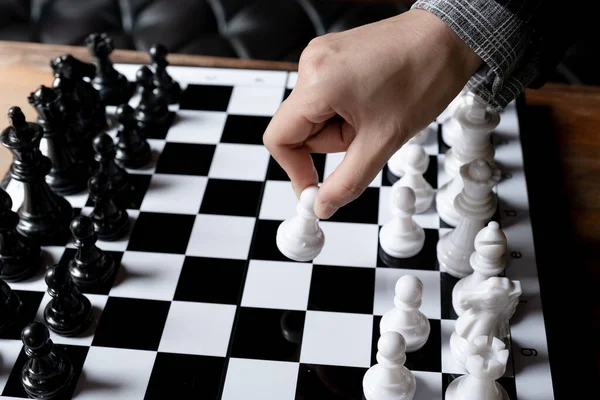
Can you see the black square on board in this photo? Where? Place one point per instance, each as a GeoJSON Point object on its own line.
{"type": "Point", "coordinates": [329, 382]}
{"type": "Point", "coordinates": [159, 131]}
{"type": "Point", "coordinates": [431, 175]}
{"type": "Point", "coordinates": [426, 259]}
{"type": "Point", "coordinates": [185, 376]}
{"type": "Point", "coordinates": [161, 232]}
{"type": "Point", "coordinates": [30, 303]}
{"type": "Point", "coordinates": [447, 283]}
{"type": "Point", "coordinates": [442, 146]}
{"type": "Point", "coordinates": [131, 323]}
{"type": "Point", "coordinates": [211, 280]}
{"type": "Point", "coordinates": [75, 354]}
{"type": "Point", "coordinates": [264, 245]}
{"type": "Point", "coordinates": [267, 334]}
{"type": "Point", "coordinates": [105, 287]}
{"type": "Point", "coordinates": [205, 97]}
{"type": "Point", "coordinates": [245, 129]}
{"type": "Point", "coordinates": [231, 197]}
{"type": "Point", "coordinates": [276, 173]}
{"type": "Point", "coordinates": [287, 93]}
{"type": "Point", "coordinates": [185, 159]}
{"type": "Point", "coordinates": [428, 358]}
{"type": "Point", "coordinates": [358, 281]}
{"type": "Point", "coordinates": [365, 209]}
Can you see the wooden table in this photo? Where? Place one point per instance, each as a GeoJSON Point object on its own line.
{"type": "Point", "coordinates": [561, 126]}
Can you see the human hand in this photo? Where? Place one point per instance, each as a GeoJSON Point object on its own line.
{"type": "Point", "coordinates": [366, 92]}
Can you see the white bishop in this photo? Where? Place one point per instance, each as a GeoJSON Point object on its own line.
{"type": "Point", "coordinates": [487, 261]}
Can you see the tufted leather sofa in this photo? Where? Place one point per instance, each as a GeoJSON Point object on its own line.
{"type": "Point", "coordinates": [258, 29]}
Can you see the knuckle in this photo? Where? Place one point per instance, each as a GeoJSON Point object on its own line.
{"type": "Point", "coordinates": [315, 60]}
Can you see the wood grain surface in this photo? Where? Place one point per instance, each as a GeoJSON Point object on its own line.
{"type": "Point", "coordinates": [563, 128]}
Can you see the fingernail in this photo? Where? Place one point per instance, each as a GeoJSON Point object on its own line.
{"type": "Point", "coordinates": [326, 210]}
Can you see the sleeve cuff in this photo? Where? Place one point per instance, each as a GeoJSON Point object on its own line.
{"type": "Point", "coordinates": [496, 35]}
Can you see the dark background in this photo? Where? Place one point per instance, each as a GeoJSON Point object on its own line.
{"type": "Point", "coordinates": [255, 29]}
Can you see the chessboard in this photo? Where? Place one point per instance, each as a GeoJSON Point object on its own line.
{"type": "Point", "coordinates": [202, 304]}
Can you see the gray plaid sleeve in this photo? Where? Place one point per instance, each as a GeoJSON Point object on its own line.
{"type": "Point", "coordinates": [499, 37]}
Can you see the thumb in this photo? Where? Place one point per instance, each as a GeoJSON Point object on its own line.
{"type": "Point", "coordinates": [361, 164]}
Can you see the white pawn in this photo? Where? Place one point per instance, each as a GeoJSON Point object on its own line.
{"type": "Point", "coordinates": [389, 379]}
{"type": "Point", "coordinates": [396, 162]}
{"type": "Point", "coordinates": [300, 238]}
{"type": "Point", "coordinates": [476, 204]}
{"type": "Point", "coordinates": [405, 318]}
{"type": "Point", "coordinates": [487, 261]}
{"type": "Point", "coordinates": [402, 237]}
{"type": "Point", "coordinates": [486, 363]}
{"type": "Point", "coordinates": [416, 163]}
{"type": "Point", "coordinates": [477, 124]}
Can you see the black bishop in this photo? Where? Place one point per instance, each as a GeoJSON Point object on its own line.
{"type": "Point", "coordinates": [69, 312]}
{"type": "Point", "coordinates": [44, 215]}
{"type": "Point", "coordinates": [91, 266]}
{"type": "Point", "coordinates": [47, 373]}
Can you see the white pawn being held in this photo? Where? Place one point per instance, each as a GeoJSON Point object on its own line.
{"type": "Point", "coordinates": [416, 162]}
{"type": "Point", "coordinates": [389, 379]}
{"type": "Point", "coordinates": [406, 318]}
{"type": "Point", "coordinates": [402, 237]}
{"type": "Point", "coordinates": [396, 162]}
{"type": "Point", "coordinates": [300, 238]}
{"type": "Point", "coordinates": [487, 261]}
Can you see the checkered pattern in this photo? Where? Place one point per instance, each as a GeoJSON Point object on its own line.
{"type": "Point", "coordinates": [204, 303]}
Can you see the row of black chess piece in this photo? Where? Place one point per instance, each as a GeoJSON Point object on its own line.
{"type": "Point", "coordinates": [68, 313]}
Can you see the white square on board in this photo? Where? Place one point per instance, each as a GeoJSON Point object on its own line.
{"type": "Point", "coordinates": [221, 236]}
{"type": "Point", "coordinates": [385, 284]}
{"type": "Point", "coordinates": [10, 350]}
{"type": "Point", "coordinates": [86, 337]}
{"type": "Point", "coordinates": [199, 127]}
{"type": "Point", "coordinates": [197, 328]}
{"type": "Point", "coordinates": [337, 339]}
{"type": "Point", "coordinates": [255, 100]}
{"type": "Point", "coordinates": [333, 160]}
{"type": "Point", "coordinates": [449, 363]}
{"type": "Point", "coordinates": [246, 162]}
{"type": "Point", "coordinates": [176, 194]}
{"type": "Point", "coordinates": [148, 276]}
{"type": "Point", "coordinates": [279, 201]}
{"type": "Point", "coordinates": [277, 285]}
{"type": "Point", "coordinates": [125, 369]}
{"type": "Point", "coordinates": [78, 200]}
{"type": "Point", "coordinates": [260, 379]}
{"type": "Point", "coordinates": [429, 219]}
{"type": "Point", "coordinates": [349, 244]}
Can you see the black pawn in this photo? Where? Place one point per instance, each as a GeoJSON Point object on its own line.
{"type": "Point", "coordinates": [90, 266]}
{"type": "Point", "coordinates": [153, 108]}
{"type": "Point", "coordinates": [10, 306]}
{"type": "Point", "coordinates": [66, 177]}
{"type": "Point", "coordinates": [69, 312]}
{"type": "Point", "coordinates": [20, 258]}
{"type": "Point", "coordinates": [44, 215]}
{"type": "Point", "coordinates": [162, 79]}
{"type": "Point", "coordinates": [109, 218]}
{"type": "Point", "coordinates": [114, 88]}
{"type": "Point", "coordinates": [133, 151]}
{"type": "Point", "coordinates": [47, 373]}
{"type": "Point", "coordinates": [105, 156]}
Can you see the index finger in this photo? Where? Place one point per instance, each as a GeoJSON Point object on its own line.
{"type": "Point", "coordinates": [298, 118]}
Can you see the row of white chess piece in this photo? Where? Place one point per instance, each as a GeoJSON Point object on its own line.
{"type": "Point", "coordinates": [485, 304]}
